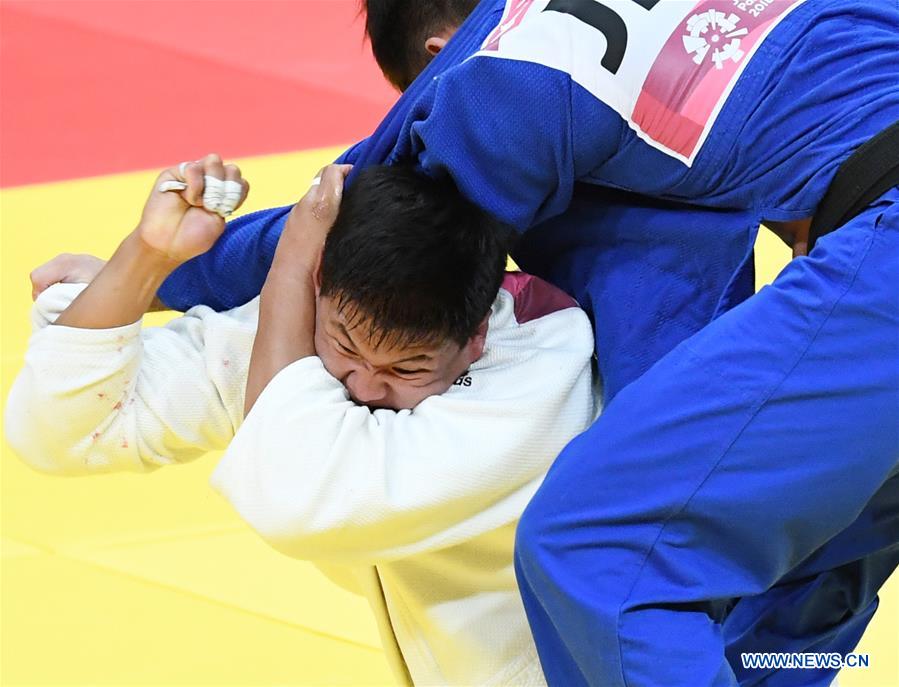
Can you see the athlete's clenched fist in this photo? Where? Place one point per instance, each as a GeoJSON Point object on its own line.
{"type": "Point", "coordinates": [184, 215]}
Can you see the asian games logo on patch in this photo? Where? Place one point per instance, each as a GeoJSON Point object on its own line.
{"type": "Point", "coordinates": [716, 33]}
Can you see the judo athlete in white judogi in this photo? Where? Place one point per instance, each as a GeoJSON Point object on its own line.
{"type": "Point", "coordinates": [399, 425]}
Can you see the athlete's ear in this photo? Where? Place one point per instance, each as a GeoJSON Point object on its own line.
{"type": "Point", "coordinates": [434, 44]}
{"type": "Point", "coordinates": [317, 275]}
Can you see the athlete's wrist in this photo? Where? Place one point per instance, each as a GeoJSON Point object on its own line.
{"type": "Point", "coordinates": [148, 259]}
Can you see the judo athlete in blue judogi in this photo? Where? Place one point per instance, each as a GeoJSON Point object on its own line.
{"type": "Point", "coordinates": [740, 491]}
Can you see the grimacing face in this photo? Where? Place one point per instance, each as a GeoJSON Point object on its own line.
{"type": "Point", "coordinates": [386, 376]}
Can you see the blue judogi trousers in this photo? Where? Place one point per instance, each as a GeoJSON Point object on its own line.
{"type": "Point", "coordinates": [752, 467]}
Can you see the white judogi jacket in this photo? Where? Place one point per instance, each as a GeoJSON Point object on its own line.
{"type": "Point", "coordinates": [415, 509]}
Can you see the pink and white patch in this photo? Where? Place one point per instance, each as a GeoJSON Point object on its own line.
{"type": "Point", "coordinates": [697, 68]}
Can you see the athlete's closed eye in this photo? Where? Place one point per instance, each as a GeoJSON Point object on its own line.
{"type": "Point", "coordinates": [345, 350]}
{"type": "Point", "coordinates": [405, 372]}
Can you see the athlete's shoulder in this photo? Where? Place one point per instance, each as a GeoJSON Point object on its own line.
{"type": "Point", "coordinates": [533, 298]}
{"type": "Point", "coordinates": [538, 338]}
{"type": "Point", "coordinates": [530, 313]}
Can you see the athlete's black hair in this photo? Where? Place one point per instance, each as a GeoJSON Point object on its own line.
{"type": "Point", "coordinates": [412, 260]}
{"type": "Point", "coordinates": [398, 30]}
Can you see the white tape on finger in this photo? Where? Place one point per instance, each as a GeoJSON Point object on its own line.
{"type": "Point", "coordinates": [166, 186]}
{"type": "Point", "coordinates": [213, 193]}
{"type": "Point", "coordinates": [233, 190]}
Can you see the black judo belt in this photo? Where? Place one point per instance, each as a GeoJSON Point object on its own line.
{"type": "Point", "coordinates": [867, 174]}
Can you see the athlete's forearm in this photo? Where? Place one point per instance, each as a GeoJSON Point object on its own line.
{"type": "Point", "coordinates": [286, 330]}
{"type": "Point", "coordinates": [286, 318]}
{"type": "Point", "coordinates": [123, 291]}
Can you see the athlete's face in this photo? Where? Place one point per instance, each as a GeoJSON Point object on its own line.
{"type": "Point", "coordinates": [382, 375]}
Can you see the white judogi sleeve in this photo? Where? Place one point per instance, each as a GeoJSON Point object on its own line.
{"type": "Point", "coordinates": [317, 476]}
{"type": "Point", "coordinates": [323, 479]}
{"type": "Point", "coordinates": [100, 400]}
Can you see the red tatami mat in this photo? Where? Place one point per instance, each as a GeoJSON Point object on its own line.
{"type": "Point", "coordinates": [101, 86]}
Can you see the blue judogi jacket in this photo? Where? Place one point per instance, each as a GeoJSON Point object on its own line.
{"type": "Point", "coordinates": [641, 197]}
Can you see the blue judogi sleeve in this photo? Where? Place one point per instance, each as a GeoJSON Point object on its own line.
{"type": "Point", "coordinates": [517, 157]}
{"type": "Point", "coordinates": [234, 270]}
